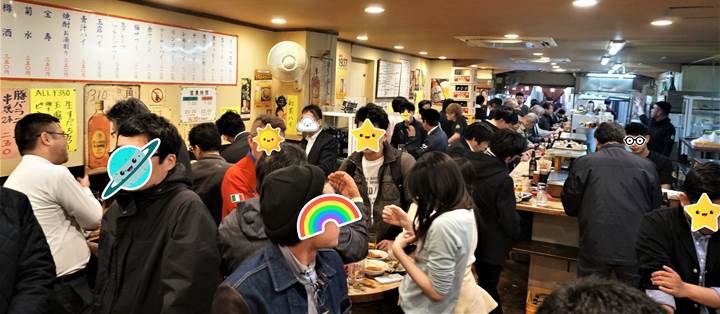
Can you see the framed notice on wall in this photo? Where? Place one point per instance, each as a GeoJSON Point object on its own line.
{"type": "Point", "coordinates": [49, 42]}
{"type": "Point", "coordinates": [389, 75]}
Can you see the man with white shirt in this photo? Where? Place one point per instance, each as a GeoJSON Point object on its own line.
{"type": "Point", "coordinates": [63, 205]}
{"type": "Point", "coordinates": [321, 148]}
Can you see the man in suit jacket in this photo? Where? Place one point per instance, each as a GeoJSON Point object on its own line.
{"type": "Point", "coordinates": [232, 129]}
{"type": "Point", "coordinates": [321, 148]}
{"type": "Point", "coordinates": [679, 268]}
{"type": "Point", "coordinates": [436, 139]}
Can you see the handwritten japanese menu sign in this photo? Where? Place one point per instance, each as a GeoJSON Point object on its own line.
{"type": "Point", "coordinates": [43, 42]}
{"type": "Point", "coordinates": [60, 103]}
{"type": "Point", "coordinates": [14, 107]}
{"type": "Point", "coordinates": [197, 104]}
{"type": "Point", "coordinates": [291, 114]}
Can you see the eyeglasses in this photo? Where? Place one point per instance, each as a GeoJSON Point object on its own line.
{"type": "Point", "coordinates": [65, 135]}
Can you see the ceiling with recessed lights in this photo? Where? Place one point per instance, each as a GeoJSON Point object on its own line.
{"type": "Point", "coordinates": [582, 34]}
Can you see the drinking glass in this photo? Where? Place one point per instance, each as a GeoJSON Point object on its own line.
{"type": "Point", "coordinates": [541, 197]}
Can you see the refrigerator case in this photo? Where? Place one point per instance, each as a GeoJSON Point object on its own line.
{"type": "Point", "coordinates": [700, 114]}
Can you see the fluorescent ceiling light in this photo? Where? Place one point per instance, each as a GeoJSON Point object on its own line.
{"type": "Point", "coordinates": [584, 3]}
{"type": "Point", "coordinates": [423, 53]}
{"type": "Point", "coordinates": [662, 22]}
{"type": "Point", "coordinates": [278, 20]}
{"type": "Point", "coordinates": [362, 37]}
{"type": "Point", "coordinates": [559, 70]}
{"type": "Point", "coordinates": [556, 66]}
{"type": "Point", "coordinates": [615, 46]}
{"type": "Point", "coordinates": [399, 47]}
{"type": "Point", "coordinates": [474, 65]}
{"type": "Point", "coordinates": [617, 66]}
{"type": "Point", "coordinates": [553, 63]}
{"type": "Point", "coordinates": [442, 57]}
{"type": "Point", "coordinates": [511, 36]}
{"type": "Point", "coordinates": [620, 76]}
{"type": "Point", "coordinates": [374, 9]}
{"type": "Point", "coordinates": [604, 60]}
{"type": "Point", "coordinates": [537, 53]}
{"type": "Point", "coordinates": [483, 68]}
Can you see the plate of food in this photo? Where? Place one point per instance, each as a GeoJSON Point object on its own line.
{"type": "Point", "coordinates": [375, 268]}
{"type": "Point", "coordinates": [522, 197]}
{"type": "Point", "coordinates": [377, 254]}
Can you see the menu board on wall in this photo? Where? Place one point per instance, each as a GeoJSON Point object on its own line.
{"type": "Point", "coordinates": [14, 107]}
{"type": "Point", "coordinates": [389, 75]}
{"type": "Point", "coordinates": [57, 43]}
{"type": "Point", "coordinates": [405, 79]}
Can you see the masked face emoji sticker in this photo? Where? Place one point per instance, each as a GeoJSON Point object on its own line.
{"type": "Point", "coordinates": [703, 214]}
{"type": "Point", "coordinates": [405, 115]}
{"type": "Point", "coordinates": [368, 137]}
{"type": "Point", "coordinates": [268, 139]}
{"type": "Point", "coordinates": [307, 125]}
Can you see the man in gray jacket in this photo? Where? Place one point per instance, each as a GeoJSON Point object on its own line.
{"type": "Point", "coordinates": [610, 191]}
{"type": "Point", "coordinates": [242, 232]}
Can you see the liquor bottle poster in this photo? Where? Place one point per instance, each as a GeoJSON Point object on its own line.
{"type": "Point", "coordinates": [98, 140]}
{"type": "Point", "coordinates": [245, 92]}
{"type": "Point", "coordinates": [320, 75]}
{"type": "Point", "coordinates": [14, 107]}
{"type": "Point", "coordinates": [439, 89]}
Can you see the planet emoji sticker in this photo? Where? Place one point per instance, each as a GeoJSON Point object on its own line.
{"type": "Point", "coordinates": [268, 139]}
{"type": "Point", "coordinates": [129, 168]}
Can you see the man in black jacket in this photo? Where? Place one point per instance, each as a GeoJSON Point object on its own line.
{"type": "Point", "coordinates": [662, 131]}
{"type": "Point", "coordinates": [210, 167]}
{"type": "Point", "coordinates": [494, 196]}
{"type": "Point", "coordinates": [158, 249]}
{"type": "Point", "coordinates": [321, 148]}
{"type": "Point", "coordinates": [476, 139]}
{"type": "Point", "coordinates": [26, 265]}
{"type": "Point", "coordinates": [232, 129]}
{"type": "Point", "coordinates": [680, 268]}
{"type": "Point", "coordinates": [436, 140]}
{"type": "Point", "coordinates": [409, 135]}
{"type": "Point", "coordinates": [638, 136]}
{"type": "Point", "coordinates": [610, 191]}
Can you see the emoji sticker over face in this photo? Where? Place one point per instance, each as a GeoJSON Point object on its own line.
{"type": "Point", "coordinates": [307, 125]}
{"type": "Point", "coordinates": [268, 139]}
{"type": "Point", "coordinates": [630, 140]}
{"type": "Point", "coordinates": [323, 209]}
{"type": "Point", "coordinates": [405, 115]}
{"type": "Point", "coordinates": [368, 137]}
{"type": "Point", "coordinates": [703, 214]}
{"type": "Point", "coordinates": [129, 168]}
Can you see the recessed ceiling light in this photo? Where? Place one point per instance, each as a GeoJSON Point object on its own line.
{"type": "Point", "coordinates": [553, 63]}
{"type": "Point", "coordinates": [362, 37]}
{"type": "Point", "coordinates": [556, 66]}
{"type": "Point", "coordinates": [483, 68]}
{"type": "Point", "coordinates": [662, 22]}
{"type": "Point", "coordinates": [584, 3]}
{"type": "Point", "coordinates": [559, 70]}
{"type": "Point", "coordinates": [399, 47]}
{"type": "Point", "coordinates": [278, 20]}
{"type": "Point", "coordinates": [474, 65]}
{"type": "Point", "coordinates": [537, 53]}
{"type": "Point", "coordinates": [442, 57]}
{"type": "Point", "coordinates": [423, 53]}
{"type": "Point", "coordinates": [511, 36]}
{"type": "Point", "coordinates": [374, 9]}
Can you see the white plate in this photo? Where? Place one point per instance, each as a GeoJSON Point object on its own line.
{"type": "Point", "coordinates": [381, 266]}
{"type": "Point", "coordinates": [377, 254]}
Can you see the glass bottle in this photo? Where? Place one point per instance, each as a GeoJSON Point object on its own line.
{"type": "Point", "coordinates": [315, 89]}
{"type": "Point", "coordinates": [98, 137]}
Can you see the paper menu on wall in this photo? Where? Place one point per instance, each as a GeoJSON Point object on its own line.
{"type": "Point", "coordinates": [197, 104]}
{"type": "Point", "coordinates": [14, 107]}
{"type": "Point", "coordinates": [62, 104]}
{"type": "Point", "coordinates": [388, 79]}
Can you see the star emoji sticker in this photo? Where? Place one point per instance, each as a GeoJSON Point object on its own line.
{"type": "Point", "coordinates": [703, 214]}
{"type": "Point", "coordinates": [268, 139]}
{"type": "Point", "coordinates": [368, 137]}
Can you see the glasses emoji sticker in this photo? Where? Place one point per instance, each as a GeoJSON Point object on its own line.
{"type": "Point", "coordinates": [368, 137]}
{"type": "Point", "coordinates": [703, 214]}
{"type": "Point", "coordinates": [268, 139]}
{"type": "Point", "coordinates": [630, 140]}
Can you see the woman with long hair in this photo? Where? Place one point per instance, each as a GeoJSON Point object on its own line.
{"type": "Point", "coordinates": [446, 235]}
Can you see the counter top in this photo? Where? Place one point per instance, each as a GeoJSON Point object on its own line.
{"type": "Point", "coordinates": [553, 208]}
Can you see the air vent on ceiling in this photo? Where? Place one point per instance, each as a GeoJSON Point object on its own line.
{"type": "Point", "coordinates": [541, 60]}
{"type": "Point", "coordinates": [505, 43]}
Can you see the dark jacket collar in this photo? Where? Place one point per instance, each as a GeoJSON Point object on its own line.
{"type": "Point", "coordinates": [132, 201]}
{"type": "Point", "coordinates": [212, 157]}
{"type": "Point", "coordinates": [389, 153]}
{"type": "Point", "coordinates": [281, 274]}
{"type": "Point", "coordinates": [613, 145]}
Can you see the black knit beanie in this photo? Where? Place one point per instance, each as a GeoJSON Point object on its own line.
{"type": "Point", "coordinates": [283, 194]}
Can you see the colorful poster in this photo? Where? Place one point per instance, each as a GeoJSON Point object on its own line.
{"type": "Point", "coordinates": [59, 43]}
{"type": "Point", "coordinates": [320, 75]}
{"type": "Point", "coordinates": [197, 104]}
{"type": "Point", "coordinates": [292, 111]}
{"type": "Point", "coordinates": [62, 104]}
{"type": "Point", "coordinates": [245, 92]}
{"type": "Point", "coordinates": [14, 107]}
{"type": "Point", "coordinates": [341, 77]}
{"type": "Point", "coordinates": [263, 103]}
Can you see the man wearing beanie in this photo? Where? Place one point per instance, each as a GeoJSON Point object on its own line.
{"type": "Point", "coordinates": [662, 131]}
{"type": "Point", "coordinates": [289, 275]}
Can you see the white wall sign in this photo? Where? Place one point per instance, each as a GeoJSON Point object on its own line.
{"type": "Point", "coordinates": [197, 104]}
{"type": "Point", "coordinates": [55, 43]}
{"type": "Point", "coordinates": [405, 79]}
{"type": "Point", "coordinates": [388, 79]}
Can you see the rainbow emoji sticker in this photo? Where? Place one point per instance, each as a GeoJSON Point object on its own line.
{"type": "Point", "coordinates": [323, 209]}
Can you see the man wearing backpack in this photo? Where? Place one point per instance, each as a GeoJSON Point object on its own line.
{"type": "Point", "coordinates": [379, 176]}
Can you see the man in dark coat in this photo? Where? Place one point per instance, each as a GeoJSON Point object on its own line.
{"type": "Point", "coordinates": [158, 249]}
{"type": "Point", "coordinates": [475, 139]}
{"type": "Point", "coordinates": [610, 191]}
{"type": "Point", "coordinates": [436, 140]}
{"type": "Point", "coordinates": [494, 196]}
{"type": "Point", "coordinates": [321, 148]}
{"type": "Point", "coordinates": [26, 265]}
{"type": "Point", "coordinates": [232, 129]}
{"type": "Point", "coordinates": [408, 135]}
{"type": "Point", "coordinates": [680, 268]}
{"type": "Point", "coordinates": [662, 131]}
{"type": "Point", "coordinates": [210, 167]}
